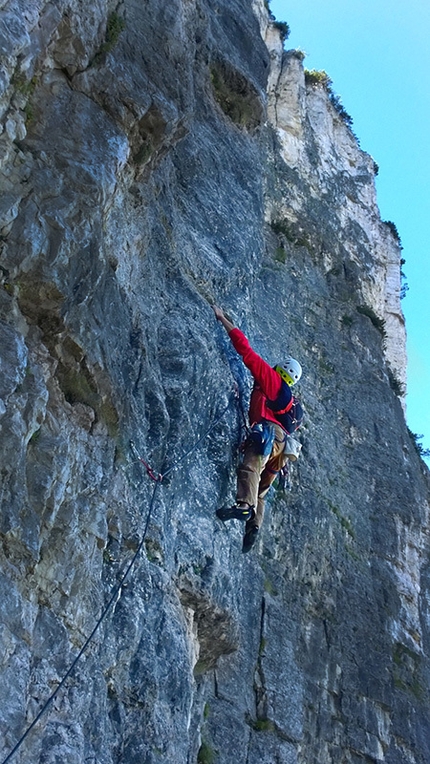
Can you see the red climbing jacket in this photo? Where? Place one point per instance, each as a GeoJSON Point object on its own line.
{"type": "Point", "coordinates": [269, 387]}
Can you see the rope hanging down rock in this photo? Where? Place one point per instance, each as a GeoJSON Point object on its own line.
{"type": "Point", "coordinates": [157, 478]}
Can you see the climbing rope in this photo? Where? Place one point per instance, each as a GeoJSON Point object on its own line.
{"type": "Point", "coordinates": [238, 385]}
{"type": "Point", "coordinates": [89, 639]}
{"type": "Point", "coordinates": [157, 478]}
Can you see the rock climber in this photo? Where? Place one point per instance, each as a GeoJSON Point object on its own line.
{"type": "Point", "coordinates": [274, 413]}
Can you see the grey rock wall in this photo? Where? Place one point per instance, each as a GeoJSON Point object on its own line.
{"type": "Point", "coordinates": [158, 157]}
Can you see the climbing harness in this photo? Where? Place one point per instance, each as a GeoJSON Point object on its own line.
{"type": "Point", "coordinates": [157, 478]}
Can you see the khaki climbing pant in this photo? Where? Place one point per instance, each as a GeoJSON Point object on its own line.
{"type": "Point", "coordinates": [256, 474]}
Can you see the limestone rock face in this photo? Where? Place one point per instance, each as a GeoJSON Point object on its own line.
{"type": "Point", "coordinates": [156, 158]}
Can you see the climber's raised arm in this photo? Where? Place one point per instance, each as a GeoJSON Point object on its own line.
{"type": "Point", "coordinates": [228, 326]}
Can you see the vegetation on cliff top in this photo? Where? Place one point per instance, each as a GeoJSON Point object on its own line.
{"type": "Point", "coordinates": [316, 77]}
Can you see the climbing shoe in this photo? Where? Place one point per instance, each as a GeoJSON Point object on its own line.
{"type": "Point", "coordinates": [250, 538]}
{"type": "Point", "coordinates": [236, 512]}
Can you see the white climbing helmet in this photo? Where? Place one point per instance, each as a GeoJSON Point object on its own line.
{"type": "Point", "coordinates": [290, 371]}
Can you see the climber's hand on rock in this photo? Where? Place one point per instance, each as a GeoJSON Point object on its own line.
{"type": "Point", "coordinates": [228, 326]}
{"type": "Point", "coordinates": [218, 312]}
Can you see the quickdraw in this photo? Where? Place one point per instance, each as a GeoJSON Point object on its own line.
{"type": "Point", "coordinates": [157, 477]}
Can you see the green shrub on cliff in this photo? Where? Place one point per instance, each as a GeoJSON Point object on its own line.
{"type": "Point", "coordinates": [393, 228]}
{"type": "Point", "coordinates": [418, 446]}
{"type": "Point", "coordinates": [206, 754]}
{"type": "Point", "coordinates": [316, 77]}
{"type": "Point", "coordinates": [283, 29]}
{"type": "Point", "coordinates": [115, 25]}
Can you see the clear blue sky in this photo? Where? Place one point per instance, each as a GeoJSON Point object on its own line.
{"type": "Point", "coordinates": [377, 53]}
